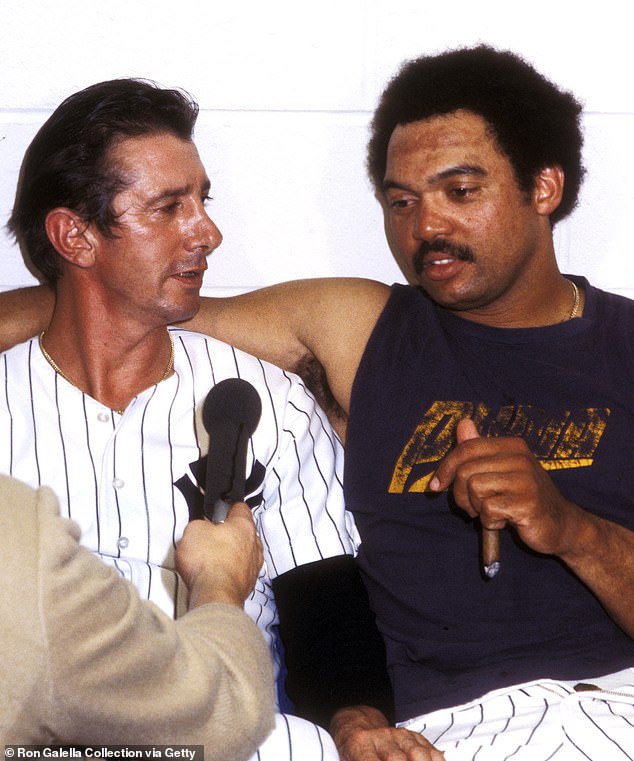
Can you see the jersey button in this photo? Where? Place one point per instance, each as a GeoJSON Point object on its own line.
{"type": "Point", "coordinates": [103, 417]}
{"type": "Point", "coordinates": [123, 542]}
{"type": "Point", "coordinates": [118, 483]}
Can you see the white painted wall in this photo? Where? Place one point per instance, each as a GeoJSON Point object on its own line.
{"type": "Point", "coordinates": [287, 89]}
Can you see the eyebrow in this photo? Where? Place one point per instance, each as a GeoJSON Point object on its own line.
{"type": "Point", "coordinates": [178, 192]}
{"type": "Point", "coordinates": [445, 174]}
{"type": "Point", "coordinates": [454, 171]}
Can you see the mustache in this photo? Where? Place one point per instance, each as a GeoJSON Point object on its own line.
{"type": "Point", "coordinates": [441, 246]}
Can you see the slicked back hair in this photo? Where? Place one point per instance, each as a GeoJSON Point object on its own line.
{"type": "Point", "coordinates": [67, 163]}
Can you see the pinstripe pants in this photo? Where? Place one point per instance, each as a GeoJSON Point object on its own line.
{"type": "Point", "coordinates": [538, 721]}
{"type": "Point", "coordinates": [294, 739]}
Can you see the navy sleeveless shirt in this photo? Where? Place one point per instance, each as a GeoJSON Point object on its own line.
{"type": "Point", "coordinates": [568, 390]}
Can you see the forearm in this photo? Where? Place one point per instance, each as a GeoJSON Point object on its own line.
{"type": "Point", "coordinates": [24, 313]}
{"type": "Point", "coordinates": [501, 481]}
{"type": "Point", "coordinates": [601, 554]}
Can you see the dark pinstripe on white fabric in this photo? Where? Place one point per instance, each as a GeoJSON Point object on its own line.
{"type": "Point", "coordinates": [542, 721]}
{"type": "Point", "coordinates": [116, 474]}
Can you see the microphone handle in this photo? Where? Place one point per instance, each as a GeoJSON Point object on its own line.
{"type": "Point", "coordinates": [220, 511]}
{"type": "Point", "coordinates": [236, 492]}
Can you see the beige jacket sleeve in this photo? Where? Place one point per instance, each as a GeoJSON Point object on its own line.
{"type": "Point", "coordinates": [85, 661]}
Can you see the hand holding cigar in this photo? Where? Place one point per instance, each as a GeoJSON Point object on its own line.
{"type": "Point", "coordinates": [490, 536]}
{"type": "Point", "coordinates": [499, 480]}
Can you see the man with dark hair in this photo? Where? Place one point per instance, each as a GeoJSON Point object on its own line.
{"type": "Point", "coordinates": [490, 395]}
{"type": "Point", "coordinates": [534, 124]}
{"type": "Point", "coordinates": [104, 406]}
{"type": "Point", "coordinates": [71, 164]}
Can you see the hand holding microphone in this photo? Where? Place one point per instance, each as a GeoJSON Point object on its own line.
{"type": "Point", "coordinates": [231, 414]}
{"type": "Point", "coordinates": [220, 563]}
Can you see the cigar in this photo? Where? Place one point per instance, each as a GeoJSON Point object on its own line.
{"type": "Point", "coordinates": [490, 552]}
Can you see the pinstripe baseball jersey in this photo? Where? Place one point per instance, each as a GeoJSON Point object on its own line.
{"type": "Point", "coordinates": [544, 720]}
{"type": "Point", "coordinates": [132, 480]}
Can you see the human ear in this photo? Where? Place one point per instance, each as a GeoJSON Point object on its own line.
{"type": "Point", "coordinates": [70, 236]}
{"type": "Point", "coordinates": [548, 189]}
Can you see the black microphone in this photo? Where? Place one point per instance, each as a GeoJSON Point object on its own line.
{"type": "Point", "coordinates": [231, 414]}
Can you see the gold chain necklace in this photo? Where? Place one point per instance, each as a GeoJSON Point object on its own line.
{"type": "Point", "coordinates": [58, 369]}
{"type": "Point", "coordinates": [577, 300]}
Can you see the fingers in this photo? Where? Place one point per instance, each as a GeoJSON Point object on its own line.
{"type": "Point", "coordinates": [227, 554]}
{"type": "Point", "coordinates": [466, 430]}
{"type": "Point", "coordinates": [241, 514]}
{"type": "Point", "coordinates": [240, 511]}
{"type": "Point", "coordinates": [502, 482]}
{"type": "Point", "coordinates": [487, 476]}
{"type": "Point", "coordinates": [490, 493]}
{"type": "Point", "coordinates": [241, 518]}
{"type": "Point", "coordinates": [415, 747]}
{"type": "Point", "coordinates": [389, 744]}
{"type": "Point", "coordinates": [474, 454]}
{"type": "Point", "coordinates": [445, 473]}
{"type": "Point", "coordinates": [508, 495]}
{"type": "Point", "coordinates": [362, 733]}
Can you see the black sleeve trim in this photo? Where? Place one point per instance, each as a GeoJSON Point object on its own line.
{"type": "Point", "coordinates": [334, 654]}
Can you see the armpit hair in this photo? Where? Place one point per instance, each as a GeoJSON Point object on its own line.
{"type": "Point", "coordinates": [314, 376]}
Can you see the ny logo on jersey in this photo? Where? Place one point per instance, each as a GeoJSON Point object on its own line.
{"type": "Point", "coordinates": [193, 490]}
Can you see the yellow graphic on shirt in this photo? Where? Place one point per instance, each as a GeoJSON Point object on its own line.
{"type": "Point", "coordinates": [566, 441]}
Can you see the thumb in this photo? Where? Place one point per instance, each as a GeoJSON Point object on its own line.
{"type": "Point", "coordinates": [466, 430]}
{"type": "Point", "coordinates": [444, 474]}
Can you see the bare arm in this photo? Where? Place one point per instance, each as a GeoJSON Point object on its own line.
{"type": "Point", "coordinates": [501, 480]}
{"type": "Point", "coordinates": [24, 312]}
{"type": "Point", "coordinates": [328, 320]}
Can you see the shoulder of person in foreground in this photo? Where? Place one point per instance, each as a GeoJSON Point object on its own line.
{"type": "Point", "coordinates": [108, 664]}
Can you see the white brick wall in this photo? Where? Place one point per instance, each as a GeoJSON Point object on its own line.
{"type": "Point", "coordinates": [286, 91]}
